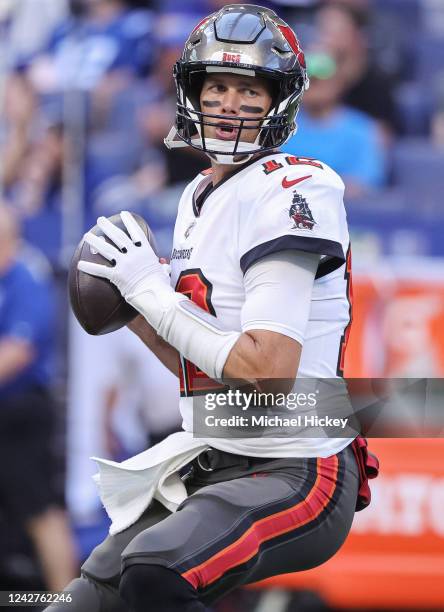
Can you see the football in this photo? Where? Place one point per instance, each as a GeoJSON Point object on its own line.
{"type": "Point", "coordinates": [96, 302]}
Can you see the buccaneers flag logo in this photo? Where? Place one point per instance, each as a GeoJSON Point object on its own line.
{"type": "Point", "coordinates": [300, 213]}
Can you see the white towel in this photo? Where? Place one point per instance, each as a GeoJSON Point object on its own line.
{"type": "Point", "coordinates": [126, 489]}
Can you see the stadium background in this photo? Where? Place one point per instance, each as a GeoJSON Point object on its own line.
{"type": "Point", "coordinates": [86, 98]}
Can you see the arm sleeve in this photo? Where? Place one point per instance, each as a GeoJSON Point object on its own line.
{"type": "Point", "coordinates": [308, 216]}
{"type": "Point", "coordinates": [278, 292]}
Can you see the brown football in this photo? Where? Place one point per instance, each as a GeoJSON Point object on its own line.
{"type": "Point", "coordinates": [96, 302]}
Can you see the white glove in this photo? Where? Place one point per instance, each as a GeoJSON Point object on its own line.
{"type": "Point", "coordinates": [144, 283]}
{"type": "Point", "coordinates": [136, 268]}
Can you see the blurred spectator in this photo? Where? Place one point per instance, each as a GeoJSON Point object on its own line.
{"type": "Point", "coordinates": [437, 123]}
{"type": "Point", "coordinates": [32, 165]}
{"type": "Point", "coordinates": [27, 468]}
{"type": "Point", "coordinates": [101, 38]}
{"type": "Point", "coordinates": [342, 137]}
{"type": "Point", "coordinates": [33, 184]}
{"type": "Point", "coordinates": [83, 134]}
{"type": "Point", "coordinates": [40, 172]}
{"type": "Point", "coordinates": [19, 108]}
{"type": "Point", "coordinates": [31, 24]}
{"type": "Point", "coordinates": [342, 32]}
{"type": "Point", "coordinates": [100, 50]}
{"type": "Point", "coordinates": [156, 119]}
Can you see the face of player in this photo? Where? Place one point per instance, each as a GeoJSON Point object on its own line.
{"type": "Point", "coordinates": [234, 95]}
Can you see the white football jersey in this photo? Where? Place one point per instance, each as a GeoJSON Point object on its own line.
{"type": "Point", "coordinates": [272, 203]}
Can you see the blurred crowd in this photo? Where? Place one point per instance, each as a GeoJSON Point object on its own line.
{"type": "Point", "coordinates": [86, 98]}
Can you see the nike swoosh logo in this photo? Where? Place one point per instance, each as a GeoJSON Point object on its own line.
{"type": "Point", "coordinates": [286, 184]}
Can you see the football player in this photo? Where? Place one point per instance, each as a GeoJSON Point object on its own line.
{"type": "Point", "coordinates": [259, 289]}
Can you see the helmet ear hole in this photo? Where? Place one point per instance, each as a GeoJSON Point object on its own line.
{"type": "Point", "coordinates": [275, 92]}
{"type": "Point", "coordinates": [196, 81]}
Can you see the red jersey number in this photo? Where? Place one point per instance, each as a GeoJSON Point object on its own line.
{"type": "Point", "coordinates": [194, 285]}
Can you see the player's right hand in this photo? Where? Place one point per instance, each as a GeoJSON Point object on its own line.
{"type": "Point", "coordinates": [136, 268]}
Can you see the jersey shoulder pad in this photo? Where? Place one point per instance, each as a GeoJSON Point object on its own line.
{"type": "Point", "coordinates": [296, 205]}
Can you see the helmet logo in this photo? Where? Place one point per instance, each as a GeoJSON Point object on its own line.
{"type": "Point", "coordinates": [292, 40]}
{"type": "Point", "coordinates": [231, 57]}
{"type": "Point", "coordinates": [201, 23]}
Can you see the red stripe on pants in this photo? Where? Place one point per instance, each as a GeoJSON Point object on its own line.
{"type": "Point", "coordinates": [272, 526]}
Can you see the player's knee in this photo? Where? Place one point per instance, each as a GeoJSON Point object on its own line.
{"type": "Point", "coordinates": [87, 594]}
{"type": "Point", "coordinates": [80, 594]}
{"type": "Point", "coordinates": [153, 587]}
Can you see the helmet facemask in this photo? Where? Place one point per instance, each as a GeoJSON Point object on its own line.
{"type": "Point", "coordinates": [275, 128]}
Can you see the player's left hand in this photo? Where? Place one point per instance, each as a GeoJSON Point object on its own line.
{"type": "Point", "coordinates": [136, 267]}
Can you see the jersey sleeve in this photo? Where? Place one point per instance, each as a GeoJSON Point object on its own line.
{"type": "Point", "coordinates": [301, 210]}
{"type": "Point", "coordinates": [271, 281]}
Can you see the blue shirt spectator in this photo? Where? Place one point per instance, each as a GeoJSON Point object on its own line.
{"type": "Point", "coordinates": [27, 314]}
{"type": "Point", "coordinates": [29, 468]}
{"type": "Point", "coordinates": [347, 140]}
{"type": "Point", "coordinates": [83, 49]}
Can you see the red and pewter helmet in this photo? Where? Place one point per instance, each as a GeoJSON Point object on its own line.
{"type": "Point", "coordinates": [242, 39]}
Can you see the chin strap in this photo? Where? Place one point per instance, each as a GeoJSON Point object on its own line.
{"type": "Point", "coordinates": [243, 149]}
